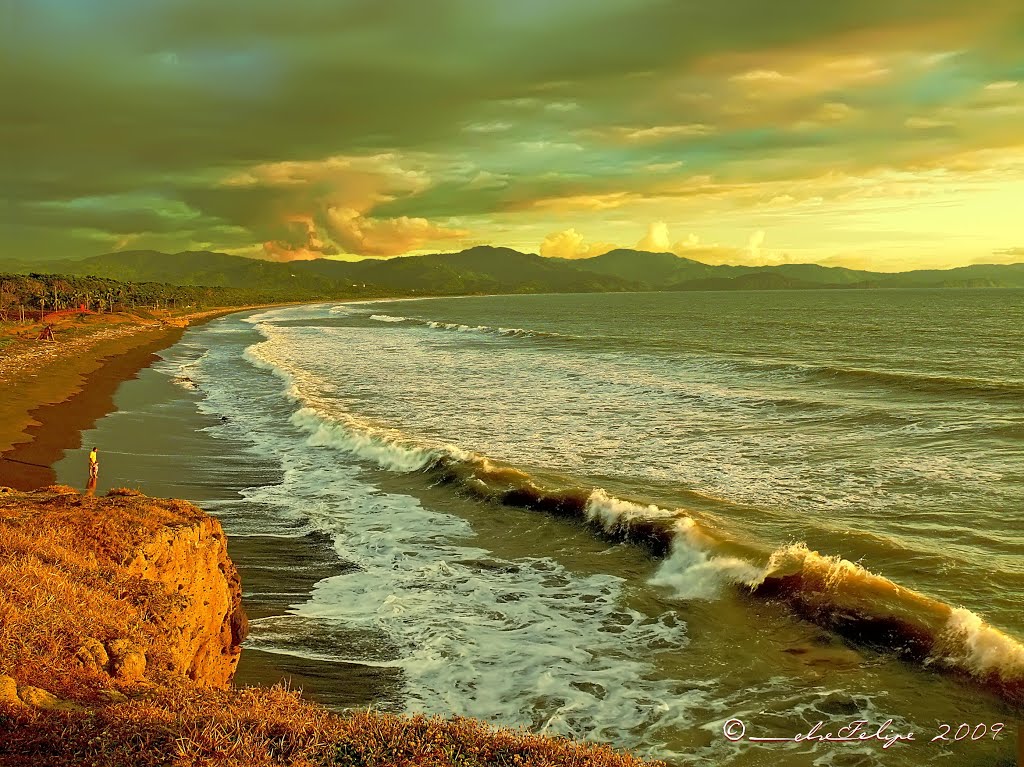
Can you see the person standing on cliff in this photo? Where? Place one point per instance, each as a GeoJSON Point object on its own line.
{"type": "Point", "coordinates": [94, 464]}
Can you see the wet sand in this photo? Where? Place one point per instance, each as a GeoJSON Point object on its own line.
{"type": "Point", "coordinates": [269, 590]}
{"type": "Point", "coordinates": [55, 391]}
{"type": "Point", "coordinates": [57, 426]}
{"type": "Point", "coordinates": [279, 572]}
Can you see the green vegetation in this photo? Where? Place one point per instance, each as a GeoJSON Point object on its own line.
{"type": "Point", "coordinates": [199, 278]}
{"type": "Point", "coordinates": [37, 294]}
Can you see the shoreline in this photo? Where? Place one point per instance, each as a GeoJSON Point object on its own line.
{"type": "Point", "coordinates": [310, 559]}
{"type": "Point", "coordinates": [55, 425]}
{"type": "Point", "coordinates": [269, 592]}
{"type": "Point", "coordinates": [58, 426]}
{"type": "Point", "coordinates": [70, 394]}
{"type": "Point", "coordinates": [121, 690]}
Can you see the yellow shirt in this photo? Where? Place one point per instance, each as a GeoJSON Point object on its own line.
{"type": "Point", "coordinates": [92, 456]}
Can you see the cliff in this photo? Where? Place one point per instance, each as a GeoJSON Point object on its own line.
{"type": "Point", "coordinates": [111, 593]}
{"type": "Point", "coordinates": [120, 630]}
{"type": "Point", "coordinates": [203, 633]}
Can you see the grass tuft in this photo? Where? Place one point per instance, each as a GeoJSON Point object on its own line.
{"type": "Point", "coordinates": [124, 492]}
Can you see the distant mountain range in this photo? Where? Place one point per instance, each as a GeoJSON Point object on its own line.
{"type": "Point", "coordinates": [500, 270]}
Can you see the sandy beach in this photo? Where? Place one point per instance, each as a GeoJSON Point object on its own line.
{"type": "Point", "coordinates": [55, 390]}
{"type": "Point", "coordinates": [63, 390]}
{"type": "Point", "coordinates": [307, 530]}
{"type": "Point", "coordinates": [59, 390]}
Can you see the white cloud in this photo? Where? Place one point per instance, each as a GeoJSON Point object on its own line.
{"type": "Point", "coordinates": [662, 167]}
{"type": "Point", "coordinates": [487, 180]}
{"type": "Point", "coordinates": [357, 233]}
{"type": "Point", "coordinates": [496, 126]}
{"type": "Point", "coordinates": [355, 181]}
{"type": "Point", "coordinates": [754, 245]}
{"type": "Point", "coordinates": [761, 76]}
{"type": "Point", "coordinates": [320, 207]}
{"type": "Point", "coordinates": [546, 146]}
{"type": "Point", "coordinates": [1004, 256]}
{"type": "Point", "coordinates": [656, 240]}
{"type": "Point", "coordinates": [926, 123]}
{"type": "Point", "coordinates": [834, 111]}
{"type": "Point", "coordinates": [667, 131]}
{"type": "Point", "coordinates": [571, 244]}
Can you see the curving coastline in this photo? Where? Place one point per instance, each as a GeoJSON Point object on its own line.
{"type": "Point", "coordinates": [824, 589]}
{"type": "Point", "coordinates": [121, 625]}
{"type": "Point", "coordinates": [55, 392]}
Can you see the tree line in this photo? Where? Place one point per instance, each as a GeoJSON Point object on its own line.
{"type": "Point", "coordinates": [39, 294]}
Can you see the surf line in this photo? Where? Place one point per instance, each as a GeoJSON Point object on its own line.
{"type": "Point", "coordinates": [829, 591]}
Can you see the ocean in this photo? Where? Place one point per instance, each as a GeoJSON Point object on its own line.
{"type": "Point", "coordinates": [631, 518]}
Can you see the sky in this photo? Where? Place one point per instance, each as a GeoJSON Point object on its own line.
{"type": "Point", "coordinates": [878, 134]}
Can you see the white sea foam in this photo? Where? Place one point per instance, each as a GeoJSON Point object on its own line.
{"type": "Point", "coordinates": [185, 383]}
{"type": "Point", "coordinates": [694, 573]}
{"type": "Point", "coordinates": [611, 513]}
{"type": "Point", "coordinates": [333, 428]}
{"type": "Point", "coordinates": [521, 641]}
{"type": "Point", "coordinates": [970, 643]}
{"type": "Point", "coordinates": [348, 308]}
{"type": "Point", "coordinates": [182, 373]}
{"type": "Point", "coordinates": [305, 311]}
{"type": "Point", "coordinates": [691, 571]}
{"type": "Point", "coordinates": [386, 318]}
{"type": "Point", "coordinates": [485, 329]}
{"type": "Point", "coordinates": [363, 441]}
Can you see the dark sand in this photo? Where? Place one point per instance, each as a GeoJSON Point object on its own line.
{"type": "Point", "coordinates": [28, 464]}
{"type": "Point", "coordinates": [88, 382]}
{"type": "Point", "coordinates": [270, 588]}
{"type": "Point", "coordinates": [51, 403]}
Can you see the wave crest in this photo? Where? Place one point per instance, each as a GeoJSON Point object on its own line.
{"type": "Point", "coordinates": [457, 327]}
{"type": "Point", "coordinates": [830, 591]}
{"type": "Point", "coordinates": [362, 441]}
{"type": "Point", "coordinates": [871, 610]}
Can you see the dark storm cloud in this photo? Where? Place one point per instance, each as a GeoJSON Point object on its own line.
{"type": "Point", "coordinates": [161, 101]}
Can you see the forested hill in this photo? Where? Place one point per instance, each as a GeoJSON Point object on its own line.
{"type": "Point", "coordinates": [667, 271]}
{"type": "Point", "coordinates": [493, 270]}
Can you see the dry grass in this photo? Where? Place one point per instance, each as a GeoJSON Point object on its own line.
{"type": "Point", "coordinates": [60, 558]}
{"type": "Point", "coordinates": [272, 727]}
{"type": "Point", "coordinates": [60, 563]}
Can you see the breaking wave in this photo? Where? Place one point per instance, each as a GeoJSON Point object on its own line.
{"type": "Point", "coordinates": [461, 328]}
{"type": "Point", "coordinates": [829, 591]}
{"type": "Point", "coordinates": [871, 610]}
{"type": "Point", "coordinates": [918, 382]}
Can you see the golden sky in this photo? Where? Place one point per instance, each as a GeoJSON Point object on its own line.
{"type": "Point", "coordinates": [869, 134]}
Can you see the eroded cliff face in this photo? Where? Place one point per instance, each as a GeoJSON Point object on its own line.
{"type": "Point", "coordinates": [109, 596]}
{"type": "Point", "coordinates": [119, 619]}
{"type": "Point", "coordinates": [204, 632]}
